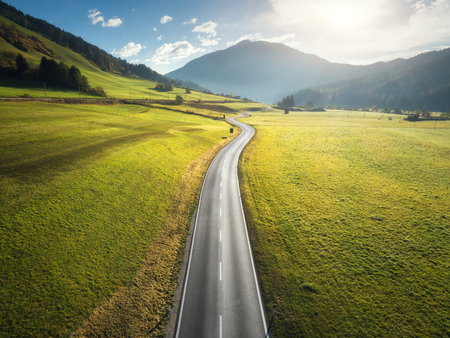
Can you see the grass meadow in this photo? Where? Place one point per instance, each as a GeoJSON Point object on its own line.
{"type": "Point", "coordinates": [349, 217]}
{"type": "Point", "coordinates": [86, 192]}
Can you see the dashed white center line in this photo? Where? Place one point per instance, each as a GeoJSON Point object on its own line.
{"type": "Point", "coordinates": [220, 270]}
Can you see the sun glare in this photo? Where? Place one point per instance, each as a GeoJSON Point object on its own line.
{"type": "Point", "coordinates": [344, 18]}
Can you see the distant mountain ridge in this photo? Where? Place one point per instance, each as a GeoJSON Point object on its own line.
{"type": "Point", "coordinates": [267, 71]}
{"type": "Point", "coordinates": [424, 84]}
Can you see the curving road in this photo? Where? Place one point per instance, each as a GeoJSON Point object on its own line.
{"type": "Point", "coordinates": [221, 296]}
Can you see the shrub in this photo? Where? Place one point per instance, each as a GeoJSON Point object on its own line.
{"type": "Point", "coordinates": [178, 99]}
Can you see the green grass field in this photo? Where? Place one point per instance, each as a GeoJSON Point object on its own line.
{"type": "Point", "coordinates": [85, 190]}
{"type": "Point", "coordinates": [350, 223]}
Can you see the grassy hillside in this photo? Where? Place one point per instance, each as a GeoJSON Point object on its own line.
{"type": "Point", "coordinates": [116, 85]}
{"type": "Point", "coordinates": [90, 196]}
{"type": "Point", "coordinates": [350, 223]}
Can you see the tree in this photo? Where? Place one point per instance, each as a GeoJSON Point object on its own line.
{"type": "Point", "coordinates": [178, 99]}
{"type": "Point", "coordinates": [424, 113]}
{"type": "Point", "coordinates": [188, 91]}
{"type": "Point", "coordinates": [21, 64]}
{"type": "Point", "coordinates": [74, 77]}
{"type": "Point", "coordinates": [310, 105]}
{"type": "Point", "coordinates": [374, 108]}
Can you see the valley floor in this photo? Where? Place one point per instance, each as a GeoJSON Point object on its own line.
{"type": "Point", "coordinates": [349, 217]}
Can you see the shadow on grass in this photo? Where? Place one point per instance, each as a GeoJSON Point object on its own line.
{"type": "Point", "coordinates": [65, 161]}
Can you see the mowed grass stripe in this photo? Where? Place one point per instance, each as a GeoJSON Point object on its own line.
{"type": "Point", "coordinates": [84, 193]}
{"type": "Point", "coordinates": [350, 223]}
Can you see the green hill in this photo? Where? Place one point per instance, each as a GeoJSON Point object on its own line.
{"type": "Point", "coordinates": [115, 84]}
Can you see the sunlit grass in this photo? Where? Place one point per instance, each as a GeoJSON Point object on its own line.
{"type": "Point", "coordinates": [84, 191]}
{"type": "Point", "coordinates": [350, 223]}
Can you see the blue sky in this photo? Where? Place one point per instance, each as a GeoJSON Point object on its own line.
{"type": "Point", "coordinates": [165, 35]}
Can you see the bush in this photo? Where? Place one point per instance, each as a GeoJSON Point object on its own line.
{"type": "Point", "coordinates": [98, 91]}
{"type": "Point", "coordinates": [178, 99]}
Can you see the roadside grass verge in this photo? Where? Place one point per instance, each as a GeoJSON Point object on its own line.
{"type": "Point", "coordinates": [85, 191]}
{"type": "Point", "coordinates": [349, 218]}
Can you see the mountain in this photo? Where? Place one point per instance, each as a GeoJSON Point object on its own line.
{"type": "Point", "coordinates": [258, 70]}
{"type": "Point", "coordinates": [267, 71]}
{"type": "Point", "coordinates": [420, 82]}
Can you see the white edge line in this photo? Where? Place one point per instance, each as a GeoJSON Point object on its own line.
{"type": "Point", "coordinates": [191, 249]}
{"type": "Point", "coordinates": [251, 255]}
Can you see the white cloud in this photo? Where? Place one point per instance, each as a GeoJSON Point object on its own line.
{"type": "Point", "coordinates": [159, 38]}
{"type": "Point", "coordinates": [192, 21]}
{"type": "Point", "coordinates": [133, 9]}
{"type": "Point", "coordinates": [251, 37]}
{"type": "Point", "coordinates": [287, 39]}
{"type": "Point", "coordinates": [173, 52]}
{"type": "Point", "coordinates": [154, 28]}
{"type": "Point", "coordinates": [130, 49]}
{"type": "Point", "coordinates": [114, 22]}
{"type": "Point", "coordinates": [206, 42]}
{"type": "Point", "coordinates": [165, 19]}
{"type": "Point", "coordinates": [96, 17]}
{"type": "Point", "coordinates": [281, 39]}
{"type": "Point", "coordinates": [134, 61]}
{"type": "Point", "coordinates": [208, 28]}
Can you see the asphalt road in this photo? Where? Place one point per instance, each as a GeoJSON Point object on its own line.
{"type": "Point", "coordinates": [221, 296]}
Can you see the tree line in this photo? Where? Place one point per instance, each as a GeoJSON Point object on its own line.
{"type": "Point", "coordinates": [51, 72]}
{"type": "Point", "coordinates": [287, 101]}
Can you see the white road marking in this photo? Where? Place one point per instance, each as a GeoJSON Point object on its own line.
{"type": "Point", "coordinates": [220, 327]}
